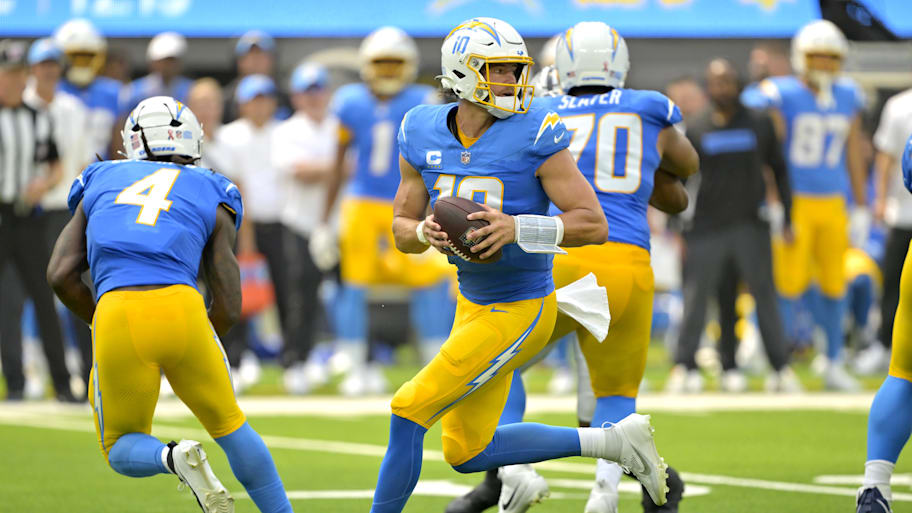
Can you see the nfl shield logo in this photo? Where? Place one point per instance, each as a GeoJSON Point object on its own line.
{"type": "Point", "coordinates": [465, 157]}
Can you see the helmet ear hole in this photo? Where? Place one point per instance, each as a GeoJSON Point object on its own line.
{"type": "Point", "coordinates": [175, 123]}
{"type": "Point", "coordinates": [458, 73]}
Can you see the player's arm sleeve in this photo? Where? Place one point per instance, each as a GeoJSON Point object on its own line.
{"type": "Point", "coordinates": [889, 137]}
{"type": "Point", "coordinates": [550, 137]}
{"type": "Point", "coordinates": [78, 188]}
{"type": "Point", "coordinates": [341, 107]}
{"type": "Point", "coordinates": [230, 199]}
{"type": "Point", "coordinates": [772, 154]}
{"type": "Point", "coordinates": [406, 146]}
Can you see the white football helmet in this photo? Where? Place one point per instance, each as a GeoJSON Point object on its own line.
{"type": "Point", "coordinates": [546, 82]}
{"type": "Point", "coordinates": [161, 126]}
{"type": "Point", "coordinates": [388, 43]}
{"type": "Point", "coordinates": [591, 53]}
{"type": "Point", "coordinates": [817, 37]}
{"type": "Point", "coordinates": [470, 48]}
{"type": "Point", "coordinates": [85, 49]}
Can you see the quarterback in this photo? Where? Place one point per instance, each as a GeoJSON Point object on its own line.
{"type": "Point", "coordinates": [890, 420]}
{"type": "Point", "coordinates": [144, 227]}
{"type": "Point", "coordinates": [500, 148]}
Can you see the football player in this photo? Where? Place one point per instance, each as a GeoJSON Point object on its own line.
{"type": "Point", "coordinates": [819, 115]}
{"type": "Point", "coordinates": [86, 49]}
{"type": "Point", "coordinates": [890, 421]}
{"type": "Point", "coordinates": [144, 227]}
{"type": "Point", "coordinates": [500, 148]}
{"type": "Point", "coordinates": [369, 115]}
{"type": "Point", "coordinates": [627, 146]}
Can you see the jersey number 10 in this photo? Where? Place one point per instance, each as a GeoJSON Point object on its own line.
{"type": "Point", "coordinates": [158, 185]}
{"type": "Point", "coordinates": [611, 175]}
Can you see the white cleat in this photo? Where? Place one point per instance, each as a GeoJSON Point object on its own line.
{"type": "Point", "coordinates": [640, 457]}
{"type": "Point", "coordinates": [873, 360]}
{"type": "Point", "coordinates": [562, 382]}
{"type": "Point", "coordinates": [376, 381]}
{"type": "Point", "coordinates": [602, 499]}
{"type": "Point", "coordinates": [785, 381]}
{"type": "Point", "coordinates": [734, 382]}
{"type": "Point", "coordinates": [676, 378]}
{"type": "Point", "coordinates": [521, 488]}
{"type": "Point", "coordinates": [835, 377]}
{"type": "Point", "coordinates": [192, 467]}
{"type": "Point", "coordinates": [296, 380]}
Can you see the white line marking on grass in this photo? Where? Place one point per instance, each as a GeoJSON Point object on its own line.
{"type": "Point", "coordinates": [625, 486]}
{"type": "Point", "coordinates": [431, 488]}
{"type": "Point", "coordinates": [858, 480]}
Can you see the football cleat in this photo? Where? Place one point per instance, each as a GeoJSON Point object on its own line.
{"type": "Point", "coordinates": [675, 494]}
{"type": "Point", "coordinates": [835, 377]}
{"type": "Point", "coordinates": [639, 456]}
{"type": "Point", "coordinates": [188, 460]}
{"type": "Point", "coordinates": [602, 499]}
{"type": "Point", "coordinates": [521, 488]}
{"type": "Point", "coordinates": [870, 500]}
{"type": "Point", "coordinates": [733, 382]}
{"type": "Point", "coordinates": [480, 498]}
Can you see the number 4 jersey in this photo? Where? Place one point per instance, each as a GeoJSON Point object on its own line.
{"type": "Point", "coordinates": [148, 222]}
{"type": "Point", "coordinates": [497, 170]}
{"type": "Point", "coordinates": [815, 136]}
{"type": "Point", "coordinates": [614, 137]}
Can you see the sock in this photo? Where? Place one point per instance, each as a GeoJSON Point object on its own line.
{"type": "Point", "coordinates": [878, 473]}
{"type": "Point", "coordinates": [138, 455]}
{"type": "Point", "coordinates": [432, 311]}
{"type": "Point", "coordinates": [525, 442]}
{"type": "Point", "coordinates": [611, 409]}
{"type": "Point", "coordinates": [890, 420]}
{"type": "Point", "coordinates": [787, 309]}
{"type": "Point", "coordinates": [353, 313]}
{"type": "Point", "coordinates": [253, 467]}
{"type": "Point", "coordinates": [831, 311]}
{"type": "Point", "coordinates": [516, 402]}
{"type": "Point", "coordinates": [401, 466]}
{"type": "Point", "coordinates": [597, 442]}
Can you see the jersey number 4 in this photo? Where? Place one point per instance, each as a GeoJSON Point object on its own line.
{"type": "Point", "coordinates": [150, 193]}
{"type": "Point", "coordinates": [616, 169]}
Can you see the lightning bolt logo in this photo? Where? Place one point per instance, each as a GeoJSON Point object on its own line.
{"type": "Point", "coordinates": [551, 120]}
{"type": "Point", "coordinates": [496, 364]}
{"type": "Point", "coordinates": [476, 24]}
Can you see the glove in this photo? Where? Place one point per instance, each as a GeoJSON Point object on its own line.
{"type": "Point", "coordinates": [775, 214]}
{"type": "Point", "coordinates": [859, 226]}
{"type": "Point", "coordinates": [324, 249]}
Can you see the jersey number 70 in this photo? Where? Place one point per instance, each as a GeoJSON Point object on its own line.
{"type": "Point", "coordinates": [612, 173]}
{"type": "Point", "coordinates": [158, 185]}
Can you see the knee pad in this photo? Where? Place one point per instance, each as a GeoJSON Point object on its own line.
{"type": "Point", "coordinates": [455, 453]}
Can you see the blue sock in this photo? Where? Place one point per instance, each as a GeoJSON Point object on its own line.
{"type": "Point", "coordinates": [516, 402]}
{"type": "Point", "coordinates": [890, 420]}
{"type": "Point", "coordinates": [525, 442]}
{"type": "Point", "coordinates": [862, 294]}
{"type": "Point", "coordinates": [253, 467]}
{"type": "Point", "coordinates": [401, 466]}
{"type": "Point", "coordinates": [612, 409]}
{"type": "Point", "coordinates": [831, 311]}
{"type": "Point", "coordinates": [787, 309]}
{"type": "Point", "coordinates": [432, 311]}
{"type": "Point", "coordinates": [353, 312]}
{"type": "Point", "coordinates": [137, 455]}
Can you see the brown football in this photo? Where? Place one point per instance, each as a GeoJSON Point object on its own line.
{"type": "Point", "coordinates": [450, 213]}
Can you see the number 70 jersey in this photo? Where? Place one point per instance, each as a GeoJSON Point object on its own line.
{"type": "Point", "coordinates": [148, 222]}
{"type": "Point", "coordinates": [613, 140]}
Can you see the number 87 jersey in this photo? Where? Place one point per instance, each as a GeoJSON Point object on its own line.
{"type": "Point", "coordinates": [614, 138]}
{"type": "Point", "coordinates": [815, 135]}
{"type": "Point", "coordinates": [147, 221]}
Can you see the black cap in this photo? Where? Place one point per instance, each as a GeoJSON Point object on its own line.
{"type": "Point", "coordinates": [12, 54]}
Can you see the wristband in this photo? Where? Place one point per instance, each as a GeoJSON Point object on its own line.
{"type": "Point", "coordinates": [419, 230]}
{"type": "Point", "coordinates": [539, 234]}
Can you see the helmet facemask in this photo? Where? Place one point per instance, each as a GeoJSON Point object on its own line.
{"type": "Point", "coordinates": [386, 76]}
{"type": "Point", "coordinates": [502, 106]}
{"type": "Point", "coordinates": [83, 66]}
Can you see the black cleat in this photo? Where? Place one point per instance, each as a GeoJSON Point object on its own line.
{"type": "Point", "coordinates": [480, 498]}
{"type": "Point", "coordinates": [870, 500]}
{"type": "Point", "coordinates": [15, 396]}
{"type": "Point", "coordinates": [674, 495]}
{"type": "Point", "coordinates": [65, 396]}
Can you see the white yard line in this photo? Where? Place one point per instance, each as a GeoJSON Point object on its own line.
{"type": "Point", "coordinates": [24, 415]}
{"type": "Point", "coordinates": [333, 406]}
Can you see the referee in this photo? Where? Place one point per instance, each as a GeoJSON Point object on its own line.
{"type": "Point", "coordinates": [29, 167]}
{"type": "Point", "coordinates": [727, 231]}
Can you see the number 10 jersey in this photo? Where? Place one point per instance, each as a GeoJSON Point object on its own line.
{"type": "Point", "coordinates": [148, 221]}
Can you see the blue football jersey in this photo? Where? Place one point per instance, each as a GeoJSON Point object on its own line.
{"type": "Point", "coordinates": [149, 86]}
{"type": "Point", "coordinates": [101, 98]}
{"type": "Point", "coordinates": [815, 136]}
{"type": "Point", "coordinates": [497, 170]}
{"type": "Point", "coordinates": [613, 140]}
{"type": "Point", "coordinates": [907, 164]}
{"type": "Point", "coordinates": [148, 222]}
{"type": "Point", "coordinates": [373, 125]}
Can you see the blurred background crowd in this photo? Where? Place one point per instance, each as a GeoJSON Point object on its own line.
{"type": "Point", "coordinates": [270, 110]}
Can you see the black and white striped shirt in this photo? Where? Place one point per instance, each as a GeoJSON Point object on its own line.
{"type": "Point", "coordinates": [26, 145]}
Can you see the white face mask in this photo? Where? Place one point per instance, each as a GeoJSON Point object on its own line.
{"type": "Point", "coordinates": [824, 82]}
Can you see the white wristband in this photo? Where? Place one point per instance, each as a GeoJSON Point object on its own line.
{"type": "Point", "coordinates": [539, 234]}
{"type": "Point", "coordinates": [419, 230]}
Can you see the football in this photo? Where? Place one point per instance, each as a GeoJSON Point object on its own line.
{"type": "Point", "coordinates": [450, 213]}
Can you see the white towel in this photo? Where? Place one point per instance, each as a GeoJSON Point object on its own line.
{"type": "Point", "coordinates": [586, 302]}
